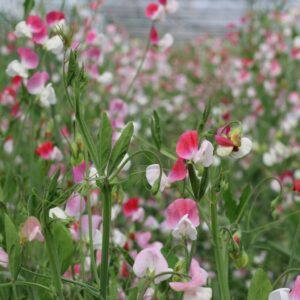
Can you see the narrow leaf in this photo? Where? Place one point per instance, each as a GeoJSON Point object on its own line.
{"type": "Point", "coordinates": [121, 147]}
{"type": "Point", "coordinates": [105, 141]}
{"type": "Point", "coordinates": [12, 246]}
{"type": "Point", "coordinates": [155, 129]}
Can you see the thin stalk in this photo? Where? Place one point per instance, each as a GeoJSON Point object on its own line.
{"type": "Point", "coordinates": [106, 216]}
{"type": "Point", "coordinates": [89, 211]}
{"type": "Point", "coordinates": [219, 254]}
{"type": "Point", "coordinates": [53, 264]}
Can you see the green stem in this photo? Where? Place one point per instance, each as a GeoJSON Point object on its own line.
{"type": "Point", "coordinates": [284, 274]}
{"type": "Point", "coordinates": [106, 216]}
{"type": "Point", "coordinates": [219, 254]}
{"type": "Point", "coordinates": [52, 258]}
{"type": "Point", "coordinates": [89, 211]}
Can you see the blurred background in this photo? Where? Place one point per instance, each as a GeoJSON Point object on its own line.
{"type": "Point", "coordinates": [195, 17]}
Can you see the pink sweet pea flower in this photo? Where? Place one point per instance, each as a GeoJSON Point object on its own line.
{"type": "Point", "coordinates": [183, 218]}
{"type": "Point", "coordinates": [32, 230]}
{"type": "Point", "coordinates": [45, 150]}
{"type": "Point", "coordinates": [75, 206]}
{"type": "Point", "coordinates": [38, 29]}
{"type": "Point", "coordinates": [231, 143]}
{"type": "Point", "coordinates": [187, 148]}
{"type": "Point", "coordinates": [193, 289]}
{"type": "Point", "coordinates": [36, 82]}
{"type": "Point", "coordinates": [79, 172]}
{"type": "Point", "coordinates": [3, 258]}
{"type": "Point", "coordinates": [29, 60]}
{"type": "Point", "coordinates": [154, 11]}
{"type": "Point", "coordinates": [154, 38]}
{"type": "Point", "coordinates": [295, 293]}
{"type": "Point", "coordinates": [151, 262]}
{"type": "Point", "coordinates": [54, 18]}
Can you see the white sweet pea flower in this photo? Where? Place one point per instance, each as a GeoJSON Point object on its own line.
{"type": "Point", "coordinates": [106, 78]}
{"type": "Point", "coordinates": [23, 30]}
{"type": "Point", "coordinates": [280, 294]}
{"type": "Point", "coordinates": [185, 228]}
{"type": "Point", "coordinates": [205, 155]}
{"type": "Point", "coordinates": [118, 238]}
{"type": "Point", "coordinates": [16, 68]}
{"type": "Point", "coordinates": [48, 96]}
{"type": "Point", "coordinates": [97, 239]}
{"type": "Point", "coordinates": [54, 45]}
{"type": "Point", "coordinates": [152, 174]}
{"type": "Point", "coordinates": [166, 41]}
{"type": "Point", "coordinates": [57, 213]}
{"type": "Point", "coordinates": [244, 149]}
{"type": "Point", "coordinates": [200, 293]}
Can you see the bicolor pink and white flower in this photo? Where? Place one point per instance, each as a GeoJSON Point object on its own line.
{"type": "Point", "coordinates": [183, 218]}
{"type": "Point", "coordinates": [193, 289]}
{"type": "Point", "coordinates": [150, 262]}
{"type": "Point", "coordinates": [187, 148]}
{"type": "Point", "coordinates": [36, 85]}
{"type": "Point", "coordinates": [231, 143]}
{"type": "Point", "coordinates": [28, 60]}
{"type": "Point", "coordinates": [285, 293]}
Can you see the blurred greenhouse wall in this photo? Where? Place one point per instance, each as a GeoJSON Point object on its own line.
{"type": "Point", "coordinates": [195, 17]}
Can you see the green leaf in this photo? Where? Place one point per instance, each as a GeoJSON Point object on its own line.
{"type": "Point", "coordinates": [105, 141]}
{"type": "Point", "coordinates": [12, 246]}
{"type": "Point", "coordinates": [63, 245]}
{"type": "Point", "coordinates": [121, 147]}
{"type": "Point", "coordinates": [133, 294]}
{"type": "Point", "coordinates": [28, 6]}
{"type": "Point", "coordinates": [203, 184]}
{"type": "Point", "coordinates": [73, 68]}
{"type": "Point", "coordinates": [170, 256]}
{"type": "Point", "coordinates": [155, 129]}
{"type": "Point", "coordinates": [195, 182]}
{"type": "Point", "coordinates": [260, 286]}
{"type": "Point", "coordinates": [126, 255]}
{"type": "Point", "coordinates": [230, 205]}
{"type": "Point", "coordinates": [244, 199]}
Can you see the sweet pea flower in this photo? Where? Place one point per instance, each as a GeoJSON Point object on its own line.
{"type": "Point", "coordinates": [183, 218]}
{"type": "Point", "coordinates": [48, 151]}
{"type": "Point", "coordinates": [285, 293]}
{"type": "Point", "coordinates": [187, 148]}
{"type": "Point", "coordinates": [296, 185]}
{"type": "Point", "coordinates": [55, 18]}
{"type": "Point", "coordinates": [3, 258]}
{"type": "Point", "coordinates": [132, 210]}
{"type": "Point", "coordinates": [154, 11]}
{"type": "Point", "coordinates": [54, 45]}
{"type": "Point", "coordinates": [193, 290]}
{"type": "Point", "coordinates": [29, 60]}
{"type": "Point", "coordinates": [32, 230]}
{"type": "Point", "coordinates": [150, 262]}
{"type": "Point", "coordinates": [295, 293]}
{"type": "Point", "coordinates": [36, 85]}
{"type": "Point", "coordinates": [231, 143]}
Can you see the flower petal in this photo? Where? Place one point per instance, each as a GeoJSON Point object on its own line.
{"type": "Point", "coordinates": [205, 155]}
{"type": "Point", "coordinates": [29, 58]}
{"type": "Point", "coordinates": [37, 82]}
{"type": "Point", "coordinates": [179, 171]}
{"type": "Point", "coordinates": [244, 149]}
{"type": "Point", "coordinates": [187, 145]}
{"type": "Point", "coordinates": [224, 151]}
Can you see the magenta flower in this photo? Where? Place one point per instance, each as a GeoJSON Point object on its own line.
{"type": "Point", "coordinates": [183, 218]}
{"type": "Point", "coordinates": [193, 289]}
{"type": "Point", "coordinates": [150, 262]}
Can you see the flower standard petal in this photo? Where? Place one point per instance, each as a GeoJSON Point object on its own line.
{"type": "Point", "coordinates": [187, 145]}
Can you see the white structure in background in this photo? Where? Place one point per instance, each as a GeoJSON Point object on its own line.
{"type": "Point", "coordinates": [193, 18]}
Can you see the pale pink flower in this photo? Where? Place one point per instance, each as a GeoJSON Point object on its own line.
{"type": "Point", "coordinates": [3, 258]}
{"type": "Point", "coordinates": [150, 261]}
{"type": "Point", "coordinates": [32, 230]}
